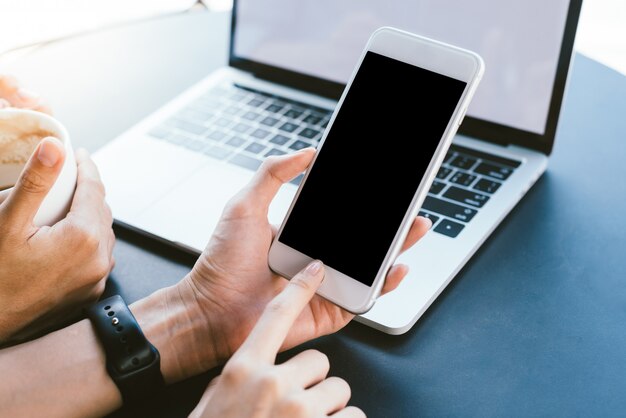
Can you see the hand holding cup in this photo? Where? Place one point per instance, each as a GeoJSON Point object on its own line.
{"type": "Point", "coordinates": [56, 237]}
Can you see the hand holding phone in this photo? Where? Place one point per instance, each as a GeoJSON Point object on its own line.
{"type": "Point", "coordinates": [375, 163]}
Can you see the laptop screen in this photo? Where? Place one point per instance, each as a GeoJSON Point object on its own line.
{"type": "Point", "coordinates": [520, 41]}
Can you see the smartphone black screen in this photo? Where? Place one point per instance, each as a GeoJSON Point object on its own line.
{"type": "Point", "coordinates": [371, 164]}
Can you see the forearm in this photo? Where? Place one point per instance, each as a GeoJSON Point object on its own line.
{"type": "Point", "coordinates": [63, 374]}
{"type": "Point", "coordinates": [36, 320]}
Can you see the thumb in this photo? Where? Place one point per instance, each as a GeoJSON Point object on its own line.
{"type": "Point", "coordinates": [36, 180]}
{"type": "Point", "coordinates": [274, 172]}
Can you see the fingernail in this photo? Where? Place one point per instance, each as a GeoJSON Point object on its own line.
{"type": "Point", "coordinates": [4, 103]}
{"type": "Point", "coordinates": [313, 268]}
{"type": "Point", "coordinates": [426, 219]}
{"type": "Point", "coordinates": [49, 152]}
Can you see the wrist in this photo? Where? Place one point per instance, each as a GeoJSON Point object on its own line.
{"type": "Point", "coordinates": [183, 333]}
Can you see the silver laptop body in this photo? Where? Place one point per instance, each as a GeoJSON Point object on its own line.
{"type": "Point", "coordinates": [171, 174]}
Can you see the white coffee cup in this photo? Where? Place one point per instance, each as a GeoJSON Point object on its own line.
{"type": "Point", "coordinates": [20, 123]}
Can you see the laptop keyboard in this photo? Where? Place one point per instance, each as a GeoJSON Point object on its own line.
{"type": "Point", "coordinates": [465, 182]}
{"type": "Point", "coordinates": [242, 126]}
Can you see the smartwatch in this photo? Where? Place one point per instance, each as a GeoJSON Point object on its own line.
{"type": "Point", "coordinates": [132, 362]}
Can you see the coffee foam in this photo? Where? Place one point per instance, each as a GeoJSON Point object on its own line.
{"type": "Point", "coordinates": [19, 137]}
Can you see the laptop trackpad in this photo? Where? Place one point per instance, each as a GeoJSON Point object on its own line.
{"type": "Point", "coordinates": [189, 213]}
{"type": "Point", "coordinates": [137, 170]}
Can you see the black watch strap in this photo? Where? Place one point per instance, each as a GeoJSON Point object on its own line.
{"type": "Point", "coordinates": [132, 362]}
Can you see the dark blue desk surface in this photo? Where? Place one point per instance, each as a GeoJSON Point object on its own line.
{"type": "Point", "coordinates": [534, 325]}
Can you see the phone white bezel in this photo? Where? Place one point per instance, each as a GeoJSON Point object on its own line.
{"type": "Point", "coordinates": [426, 53]}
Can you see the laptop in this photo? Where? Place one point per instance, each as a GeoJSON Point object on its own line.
{"type": "Point", "coordinates": [171, 174]}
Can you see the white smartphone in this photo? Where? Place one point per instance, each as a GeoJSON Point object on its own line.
{"type": "Point", "coordinates": [375, 163]}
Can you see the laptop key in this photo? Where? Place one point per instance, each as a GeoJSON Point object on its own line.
{"type": "Point", "coordinates": [269, 121]}
{"type": "Point", "coordinates": [216, 135]}
{"type": "Point", "coordinates": [260, 133]}
{"type": "Point", "coordinates": [495, 171]}
{"type": "Point", "coordinates": [274, 151]}
{"type": "Point", "coordinates": [485, 156]}
{"type": "Point", "coordinates": [449, 228]}
{"type": "Point", "coordinates": [443, 173]}
{"type": "Point", "coordinates": [236, 142]}
{"type": "Point", "coordinates": [274, 108]}
{"type": "Point", "coordinates": [313, 119]}
{"type": "Point", "coordinates": [293, 113]}
{"type": "Point", "coordinates": [466, 196]}
{"type": "Point", "coordinates": [255, 148]}
{"type": "Point", "coordinates": [298, 145]}
{"type": "Point", "coordinates": [451, 210]}
{"type": "Point", "coordinates": [245, 162]}
{"type": "Point", "coordinates": [232, 110]}
{"type": "Point", "coordinates": [279, 140]}
{"type": "Point", "coordinates": [463, 179]}
{"type": "Point", "coordinates": [430, 216]}
{"type": "Point", "coordinates": [463, 162]}
{"type": "Point", "coordinates": [218, 152]}
{"type": "Point", "coordinates": [487, 186]}
{"type": "Point", "coordinates": [436, 187]}
{"type": "Point", "coordinates": [192, 128]}
{"type": "Point", "coordinates": [242, 128]}
{"type": "Point", "coordinates": [309, 133]}
{"type": "Point", "coordinates": [256, 102]}
{"type": "Point", "coordinates": [288, 127]}
{"type": "Point", "coordinates": [250, 115]}
{"type": "Point", "coordinates": [223, 122]}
